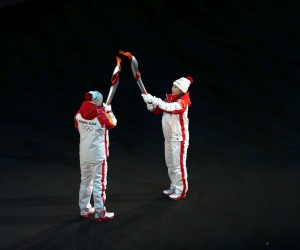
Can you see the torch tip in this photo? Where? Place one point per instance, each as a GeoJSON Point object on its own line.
{"type": "Point", "coordinates": [118, 60]}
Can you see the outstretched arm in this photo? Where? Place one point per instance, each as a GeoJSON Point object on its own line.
{"type": "Point", "coordinates": [106, 117]}
{"type": "Point", "coordinates": [173, 107]}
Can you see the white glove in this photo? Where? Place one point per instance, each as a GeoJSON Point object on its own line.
{"type": "Point", "coordinates": [156, 101]}
{"type": "Point", "coordinates": [147, 98]}
{"type": "Point", "coordinates": [107, 108]}
{"type": "Point", "coordinates": [150, 106]}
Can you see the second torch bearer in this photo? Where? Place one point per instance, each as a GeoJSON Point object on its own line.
{"type": "Point", "coordinates": [135, 70]}
{"type": "Point", "coordinates": [114, 81]}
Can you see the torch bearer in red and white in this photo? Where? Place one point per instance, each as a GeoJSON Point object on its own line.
{"type": "Point", "coordinates": [135, 70]}
{"type": "Point", "coordinates": [114, 81]}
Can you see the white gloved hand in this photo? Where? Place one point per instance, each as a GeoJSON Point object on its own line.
{"type": "Point", "coordinates": [147, 98]}
{"type": "Point", "coordinates": [107, 108]}
{"type": "Point", "coordinates": [150, 106]}
{"type": "Point", "coordinates": [156, 101]}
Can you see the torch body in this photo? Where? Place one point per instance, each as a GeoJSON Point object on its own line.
{"type": "Point", "coordinates": [114, 82]}
{"type": "Point", "coordinates": [137, 75]}
{"type": "Point", "coordinates": [111, 94]}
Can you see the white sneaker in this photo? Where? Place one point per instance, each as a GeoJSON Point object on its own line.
{"type": "Point", "coordinates": [85, 214]}
{"type": "Point", "coordinates": [107, 216]}
{"type": "Point", "coordinates": [176, 196]}
{"type": "Point", "coordinates": [169, 191]}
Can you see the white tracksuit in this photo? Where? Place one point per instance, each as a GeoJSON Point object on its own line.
{"type": "Point", "coordinates": [175, 126]}
{"type": "Point", "coordinates": [93, 123]}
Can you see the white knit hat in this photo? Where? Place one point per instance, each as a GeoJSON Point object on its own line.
{"type": "Point", "coordinates": [184, 83]}
{"type": "Point", "coordinates": [94, 97]}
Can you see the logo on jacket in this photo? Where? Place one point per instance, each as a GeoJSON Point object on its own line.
{"type": "Point", "coordinates": [87, 128]}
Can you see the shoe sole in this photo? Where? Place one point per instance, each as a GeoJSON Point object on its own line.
{"type": "Point", "coordinates": [103, 219]}
{"type": "Point", "coordinates": [87, 215]}
{"type": "Point", "coordinates": [168, 194]}
{"type": "Point", "coordinates": [178, 198]}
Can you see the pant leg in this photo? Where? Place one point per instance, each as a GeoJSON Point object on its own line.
{"type": "Point", "coordinates": [100, 182]}
{"type": "Point", "coordinates": [182, 183]}
{"type": "Point", "coordinates": [86, 186]}
{"type": "Point", "coordinates": [176, 155]}
{"type": "Point", "coordinates": [170, 164]}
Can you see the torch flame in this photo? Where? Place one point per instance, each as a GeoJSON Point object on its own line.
{"type": "Point", "coordinates": [128, 54]}
{"type": "Point", "coordinates": [118, 60]}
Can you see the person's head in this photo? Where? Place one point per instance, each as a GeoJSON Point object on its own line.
{"type": "Point", "coordinates": [181, 85]}
{"type": "Point", "coordinates": [94, 97]}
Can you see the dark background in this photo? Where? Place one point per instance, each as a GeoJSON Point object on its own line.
{"type": "Point", "coordinates": [243, 160]}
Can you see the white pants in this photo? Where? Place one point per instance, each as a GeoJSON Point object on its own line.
{"type": "Point", "coordinates": [175, 156]}
{"type": "Point", "coordinates": [93, 181]}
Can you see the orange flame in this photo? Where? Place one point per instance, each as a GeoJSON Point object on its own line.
{"type": "Point", "coordinates": [128, 54]}
{"type": "Point", "coordinates": [118, 60]}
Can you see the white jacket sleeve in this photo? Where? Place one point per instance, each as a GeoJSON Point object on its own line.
{"type": "Point", "coordinates": [165, 106]}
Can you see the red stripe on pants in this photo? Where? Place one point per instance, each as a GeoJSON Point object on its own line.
{"type": "Point", "coordinates": [182, 168]}
{"type": "Point", "coordinates": [102, 181]}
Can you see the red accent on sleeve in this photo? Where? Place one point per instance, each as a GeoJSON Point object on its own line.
{"type": "Point", "coordinates": [157, 111]}
{"type": "Point", "coordinates": [105, 120]}
{"type": "Point", "coordinates": [183, 107]}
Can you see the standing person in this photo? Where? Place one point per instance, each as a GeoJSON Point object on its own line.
{"type": "Point", "coordinates": [93, 120]}
{"type": "Point", "coordinates": [175, 126]}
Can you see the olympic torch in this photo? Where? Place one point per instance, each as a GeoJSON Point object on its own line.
{"type": "Point", "coordinates": [114, 81]}
{"type": "Point", "coordinates": [135, 71]}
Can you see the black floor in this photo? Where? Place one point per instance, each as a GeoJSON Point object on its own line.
{"type": "Point", "coordinates": [243, 160]}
